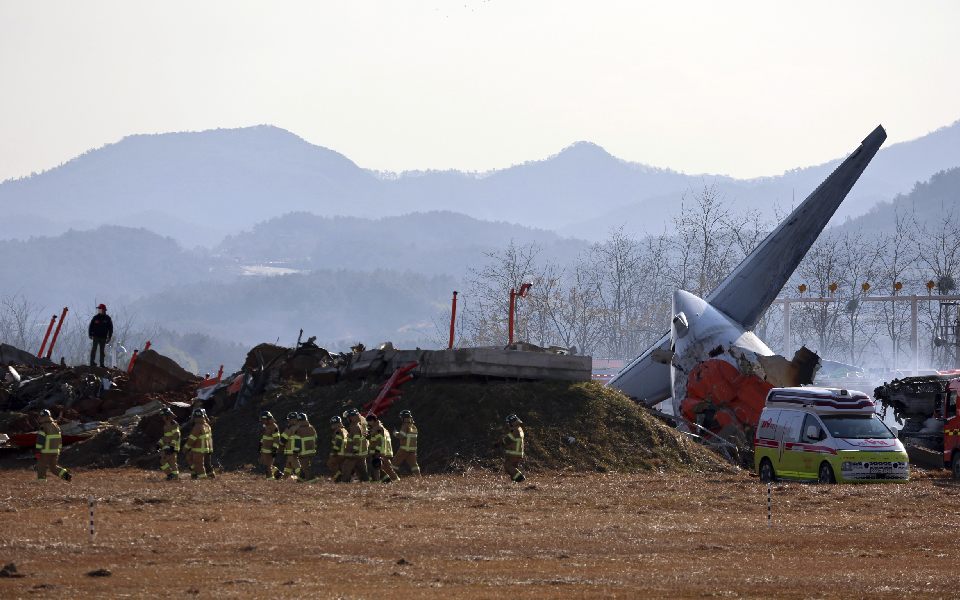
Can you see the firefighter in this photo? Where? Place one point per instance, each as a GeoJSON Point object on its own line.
{"type": "Point", "coordinates": [338, 447]}
{"type": "Point", "coordinates": [308, 447]}
{"type": "Point", "coordinates": [269, 443]}
{"type": "Point", "coordinates": [407, 438]}
{"type": "Point", "coordinates": [355, 457]}
{"type": "Point", "coordinates": [208, 452]}
{"type": "Point", "coordinates": [381, 451]}
{"type": "Point", "coordinates": [169, 444]}
{"type": "Point", "coordinates": [513, 444]}
{"type": "Point", "coordinates": [290, 442]}
{"type": "Point", "coordinates": [48, 447]}
{"type": "Point", "coordinates": [199, 443]}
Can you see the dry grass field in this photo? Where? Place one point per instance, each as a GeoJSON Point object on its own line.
{"type": "Point", "coordinates": [477, 536]}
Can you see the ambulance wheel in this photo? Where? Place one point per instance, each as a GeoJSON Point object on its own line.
{"type": "Point", "coordinates": [767, 474]}
{"type": "Point", "coordinates": [826, 474]}
{"type": "Point", "coordinates": [955, 465]}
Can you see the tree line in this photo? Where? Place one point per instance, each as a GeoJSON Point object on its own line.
{"type": "Point", "coordinates": [614, 300]}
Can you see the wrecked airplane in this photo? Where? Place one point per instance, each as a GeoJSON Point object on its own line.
{"type": "Point", "coordinates": [710, 363]}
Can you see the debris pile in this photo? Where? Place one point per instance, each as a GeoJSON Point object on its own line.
{"type": "Point", "coordinates": [113, 417]}
{"type": "Point", "coordinates": [106, 415]}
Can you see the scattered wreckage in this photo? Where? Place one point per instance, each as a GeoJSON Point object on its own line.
{"type": "Point", "coordinates": [111, 417]}
{"type": "Point", "coordinates": [927, 408]}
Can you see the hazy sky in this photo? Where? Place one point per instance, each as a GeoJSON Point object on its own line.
{"type": "Point", "coordinates": [745, 88]}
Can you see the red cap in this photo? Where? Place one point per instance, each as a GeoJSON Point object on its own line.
{"type": "Point", "coordinates": [102, 307]}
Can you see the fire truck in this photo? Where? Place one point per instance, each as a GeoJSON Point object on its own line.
{"type": "Point", "coordinates": [926, 408]}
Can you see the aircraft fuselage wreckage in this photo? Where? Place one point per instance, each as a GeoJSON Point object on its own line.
{"type": "Point", "coordinates": [710, 362]}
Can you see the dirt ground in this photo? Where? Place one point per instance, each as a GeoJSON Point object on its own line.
{"type": "Point", "coordinates": [477, 536]}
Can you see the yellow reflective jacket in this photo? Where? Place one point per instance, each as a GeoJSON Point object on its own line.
{"type": "Point", "coordinates": [308, 439]}
{"type": "Point", "coordinates": [357, 444]}
{"type": "Point", "coordinates": [290, 440]}
{"type": "Point", "coordinates": [514, 442]}
{"type": "Point", "coordinates": [49, 440]}
{"type": "Point", "coordinates": [200, 438]}
{"type": "Point", "coordinates": [338, 443]}
{"type": "Point", "coordinates": [269, 438]}
{"type": "Point", "coordinates": [407, 437]}
{"type": "Point", "coordinates": [380, 442]}
{"type": "Point", "coordinates": [171, 435]}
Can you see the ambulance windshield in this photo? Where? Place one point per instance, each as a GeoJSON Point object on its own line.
{"type": "Point", "coordinates": [856, 427]}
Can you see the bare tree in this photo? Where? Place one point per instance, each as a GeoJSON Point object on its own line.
{"type": "Point", "coordinates": [859, 260]}
{"type": "Point", "coordinates": [897, 261]}
{"type": "Point", "coordinates": [22, 322]}
{"type": "Point", "coordinates": [819, 321]}
{"type": "Point", "coordinates": [938, 256]}
{"type": "Point", "coordinates": [486, 315]}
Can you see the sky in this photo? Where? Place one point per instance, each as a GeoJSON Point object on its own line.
{"type": "Point", "coordinates": [744, 88]}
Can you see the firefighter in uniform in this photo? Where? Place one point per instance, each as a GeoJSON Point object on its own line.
{"type": "Point", "coordinates": [407, 438]}
{"type": "Point", "coordinates": [308, 447]}
{"type": "Point", "coordinates": [49, 442]}
{"type": "Point", "coordinates": [513, 453]}
{"type": "Point", "coordinates": [169, 444]}
{"type": "Point", "coordinates": [199, 443]}
{"type": "Point", "coordinates": [355, 457]}
{"type": "Point", "coordinates": [269, 443]}
{"type": "Point", "coordinates": [381, 451]}
{"type": "Point", "coordinates": [291, 447]}
{"type": "Point", "coordinates": [208, 452]}
{"type": "Point", "coordinates": [338, 447]}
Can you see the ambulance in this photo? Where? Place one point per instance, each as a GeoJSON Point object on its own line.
{"type": "Point", "coordinates": [826, 435]}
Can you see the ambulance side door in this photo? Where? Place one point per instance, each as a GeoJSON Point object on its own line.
{"type": "Point", "coordinates": [810, 459]}
{"type": "Point", "coordinates": [767, 436]}
{"type": "Point", "coordinates": [788, 429]}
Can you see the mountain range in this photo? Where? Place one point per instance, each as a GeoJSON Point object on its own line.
{"type": "Point", "coordinates": [200, 187]}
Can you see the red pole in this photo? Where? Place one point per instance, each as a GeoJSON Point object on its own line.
{"type": "Point", "coordinates": [44, 344]}
{"type": "Point", "coordinates": [220, 374]}
{"type": "Point", "coordinates": [56, 332]}
{"type": "Point", "coordinates": [146, 346]}
{"type": "Point", "coordinates": [453, 318]}
{"type": "Point", "coordinates": [133, 359]}
{"type": "Point", "coordinates": [513, 303]}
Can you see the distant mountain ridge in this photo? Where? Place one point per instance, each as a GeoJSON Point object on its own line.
{"type": "Point", "coordinates": [929, 202]}
{"type": "Point", "coordinates": [432, 243]}
{"type": "Point", "coordinates": [199, 187]}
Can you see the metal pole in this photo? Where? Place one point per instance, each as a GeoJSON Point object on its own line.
{"type": "Point", "coordinates": [513, 302]}
{"type": "Point", "coordinates": [56, 332]}
{"type": "Point", "coordinates": [91, 503]}
{"type": "Point", "coordinates": [133, 359]}
{"type": "Point", "coordinates": [453, 319]}
{"type": "Point", "coordinates": [786, 328]}
{"type": "Point", "coordinates": [913, 335]}
{"type": "Point", "coordinates": [53, 320]}
{"type": "Point", "coordinates": [769, 505]}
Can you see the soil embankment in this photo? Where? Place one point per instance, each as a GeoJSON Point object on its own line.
{"type": "Point", "coordinates": [578, 426]}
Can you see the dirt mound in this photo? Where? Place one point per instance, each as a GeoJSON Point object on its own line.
{"type": "Point", "coordinates": [134, 445]}
{"type": "Point", "coordinates": [579, 426]}
{"type": "Point", "coordinates": [154, 372]}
